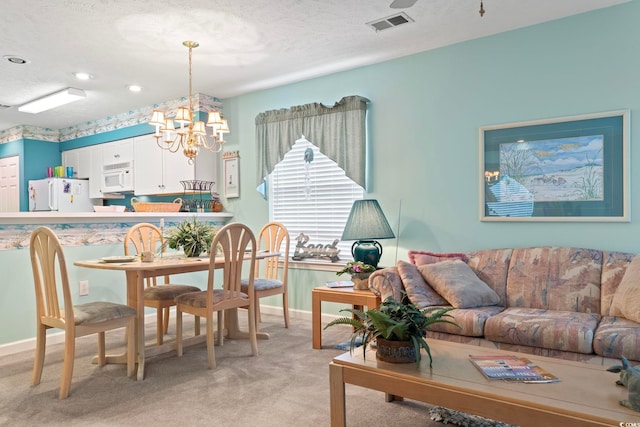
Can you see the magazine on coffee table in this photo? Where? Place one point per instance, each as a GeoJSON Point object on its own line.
{"type": "Point", "coordinates": [511, 368]}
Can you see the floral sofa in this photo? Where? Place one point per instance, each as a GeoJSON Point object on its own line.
{"type": "Point", "coordinates": [569, 303]}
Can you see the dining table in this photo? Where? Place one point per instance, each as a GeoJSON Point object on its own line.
{"type": "Point", "coordinates": [137, 271]}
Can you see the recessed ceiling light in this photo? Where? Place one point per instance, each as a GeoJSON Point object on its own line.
{"type": "Point", "coordinates": [83, 76]}
{"type": "Point", "coordinates": [135, 88]}
{"type": "Point", "coordinates": [15, 59]}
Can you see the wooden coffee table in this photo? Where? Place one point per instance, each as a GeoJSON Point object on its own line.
{"type": "Point", "coordinates": [585, 396]}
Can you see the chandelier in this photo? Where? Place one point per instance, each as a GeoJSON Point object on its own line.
{"type": "Point", "coordinates": [191, 135]}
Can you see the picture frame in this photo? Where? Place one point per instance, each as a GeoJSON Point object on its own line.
{"type": "Point", "coordinates": [562, 169]}
{"type": "Point", "coordinates": [231, 174]}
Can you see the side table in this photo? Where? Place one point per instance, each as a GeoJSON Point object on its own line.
{"type": "Point", "coordinates": [357, 298]}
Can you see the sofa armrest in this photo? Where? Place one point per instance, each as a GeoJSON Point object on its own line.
{"type": "Point", "coordinates": [386, 283]}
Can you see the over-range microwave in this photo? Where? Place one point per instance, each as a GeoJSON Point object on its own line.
{"type": "Point", "coordinates": [117, 177]}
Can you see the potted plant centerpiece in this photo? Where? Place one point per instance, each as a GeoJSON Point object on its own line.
{"type": "Point", "coordinates": [359, 272]}
{"type": "Point", "coordinates": [399, 329]}
{"type": "Point", "coordinates": [193, 236]}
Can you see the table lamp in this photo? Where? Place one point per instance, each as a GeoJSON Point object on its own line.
{"type": "Point", "coordinates": [367, 222]}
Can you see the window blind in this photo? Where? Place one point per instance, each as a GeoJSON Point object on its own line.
{"type": "Point", "coordinates": [309, 193]}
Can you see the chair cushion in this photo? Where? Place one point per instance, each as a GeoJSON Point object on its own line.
{"type": "Point", "coordinates": [168, 292]}
{"type": "Point", "coordinates": [260, 284]}
{"type": "Point", "coordinates": [458, 284]}
{"type": "Point", "coordinates": [199, 299]}
{"type": "Point", "coordinates": [100, 311]}
{"type": "Point", "coordinates": [418, 290]}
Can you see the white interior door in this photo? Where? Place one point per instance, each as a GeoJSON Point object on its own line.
{"type": "Point", "coordinates": [10, 184]}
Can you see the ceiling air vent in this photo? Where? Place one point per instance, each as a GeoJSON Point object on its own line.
{"type": "Point", "coordinates": [390, 21]}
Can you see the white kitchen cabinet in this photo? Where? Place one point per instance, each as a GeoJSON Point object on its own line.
{"type": "Point", "coordinates": [158, 171]}
{"type": "Point", "coordinates": [120, 151]}
{"type": "Point", "coordinates": [95, 171]}
{"type": "Point", "coordinates": [80, 160]}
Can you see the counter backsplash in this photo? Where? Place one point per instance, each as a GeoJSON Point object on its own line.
{"type": "Point", "coordinates": [16, 236]}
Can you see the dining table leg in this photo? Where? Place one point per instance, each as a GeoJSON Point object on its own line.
{"type": "Point", "coordinates": [135, 298]}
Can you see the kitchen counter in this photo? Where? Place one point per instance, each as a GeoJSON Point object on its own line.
{"type": "Point", "coordinates": [106, 217]}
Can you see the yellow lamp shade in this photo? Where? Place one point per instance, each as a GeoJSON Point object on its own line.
{"type": "Point", "coordinates": [183, 115]}
{"type": "Point", "coordinates": [214, 119]}
{"type": "Point", "coordinates": [198, 128]}
{"type": "Point", "coordinates": [157, 118]}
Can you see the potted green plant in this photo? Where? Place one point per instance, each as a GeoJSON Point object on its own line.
{"type": "Point", "coordinates": [359, 272]}
{"type": "Point", "coordinates": [399, 329]}
{"type": "Point", "coordinates": [192, 236]}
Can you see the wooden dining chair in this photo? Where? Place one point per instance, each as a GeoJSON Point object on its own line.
{"type": "Point", "coordinates": [233, 243]}
{"type": "Point", "coordinates": [145, 237]}
{"type": "Point", "coordinates": [270, 279]}
{"type": "Point", "coordinates": [57, 311]}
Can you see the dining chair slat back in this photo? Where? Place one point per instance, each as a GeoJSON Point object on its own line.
{"type": "Point", "coordinates": [146, 237]}
{"type": "Point", "coordinates": [272, 273]}
{"type": "Point", "coordinates": [55, 309]}
{"type": "Point", "coordinates": [235, 243]}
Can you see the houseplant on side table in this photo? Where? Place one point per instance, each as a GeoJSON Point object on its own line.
{"type": "Point", "coordinates": [359, 272]}
{"type": "Point", "coordinates": [399, 329]}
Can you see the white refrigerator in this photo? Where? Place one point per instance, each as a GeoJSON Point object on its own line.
{"type": "Point", "coordinates": [60, 194]}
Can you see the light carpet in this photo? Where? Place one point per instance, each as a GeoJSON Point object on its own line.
{"type": "Point", "coordinates": [287, 384]}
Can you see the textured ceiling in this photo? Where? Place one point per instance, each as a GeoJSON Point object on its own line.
{"type": "Point", "coordinates": [245, 45]}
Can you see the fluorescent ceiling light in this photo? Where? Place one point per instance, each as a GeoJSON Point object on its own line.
{"type": "Point", "coordinates": [52, 101]}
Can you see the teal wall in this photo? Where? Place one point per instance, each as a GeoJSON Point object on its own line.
{"type": "Point", "coordinates": [423, 123]}
{"type": "Point", "coordinates": [35, 157]}
{"type": "Point", "coordinates": [424, 117]}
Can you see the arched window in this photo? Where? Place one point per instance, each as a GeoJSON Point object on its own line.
{"type": "Point", "coordinates": [309, 193]}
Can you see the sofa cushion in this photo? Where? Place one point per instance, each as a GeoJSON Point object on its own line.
{"type": "Point", "coordinates": [458, 284]}
{"type": "Point", "coordinates": [425, 257]}
{"type": "Point", "coordinates": [418, 290]}
{"type": "Point", "coordinates": [556, 330]}
{"type": "Point", "coordinates": [614, 265]}
{"type": "Point", "coordinates": [617, 336]}
{"type": "Point", "coordinates": [626, 300]}
{"type": "Point", "coordinates": [471, 321]}
{"type": "Point", "coordinates": [555, 278]}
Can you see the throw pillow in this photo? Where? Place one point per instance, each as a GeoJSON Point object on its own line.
{"type": "Point", "coordinates": [425, 257]}
{"type": "Point", "coordinates": [458, 284]}
{"type": "Point", "coordinates": [418, 291]}
{"type": "Point", "coordinates": [626, 300]}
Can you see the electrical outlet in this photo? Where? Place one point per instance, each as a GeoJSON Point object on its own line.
{"type": "Point", "coordinates": [83, 287]}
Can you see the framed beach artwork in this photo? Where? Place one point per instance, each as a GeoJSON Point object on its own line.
{"type": "Point", "coordinates": [563, 169]}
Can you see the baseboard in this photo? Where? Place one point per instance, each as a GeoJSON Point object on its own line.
{"type": "Point", "coordinates": [58, 337]}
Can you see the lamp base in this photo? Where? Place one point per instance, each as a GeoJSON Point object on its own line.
{"type": "Point", "coordinates": [367, 251]}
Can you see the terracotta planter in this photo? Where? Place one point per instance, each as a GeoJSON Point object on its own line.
{"type": "Point", "coordinates": [360, 281]}
{"type": "Point", "coordinates": [395, 351]}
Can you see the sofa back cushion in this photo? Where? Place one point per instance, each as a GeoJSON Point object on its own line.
{"type": "Point", "coordinates": [418, 290]}
{"type": "Point", "coordinates": [555, 278]}
{"type": "Point", "coordinates": [491, 266]}
{"type": "Point", "coordinates": [614, 265]}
